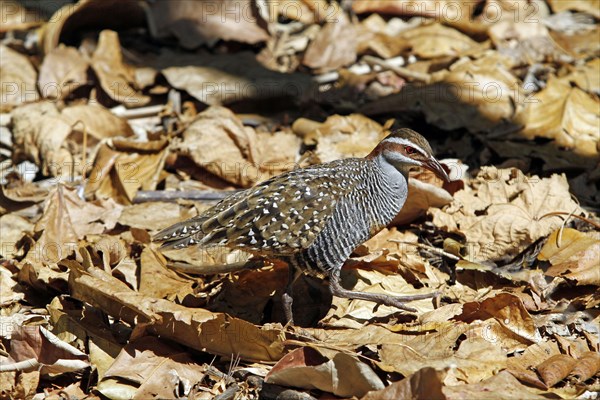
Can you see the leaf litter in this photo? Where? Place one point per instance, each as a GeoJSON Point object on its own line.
{"type": "Point", "coordinates": [100, 126]}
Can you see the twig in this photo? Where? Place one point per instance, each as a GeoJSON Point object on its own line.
{"type": "Point", "coordinates": [143, 196]}
{"type": "Point", "coordinates": [555, 213]}
{"type": "Point", "coordinates": [400, 71]}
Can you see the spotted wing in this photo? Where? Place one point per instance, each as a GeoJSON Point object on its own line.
{"type": "Point", "coordinates": [280, 216]}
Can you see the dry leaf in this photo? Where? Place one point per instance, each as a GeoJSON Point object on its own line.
{"type": "Point", "coordinates": [18, 78]}
{"type": "Point", "coordinates": [573, 255]}
{"type": "Point", "coordinates": [196, 328]}
{"type": "Point", "coordinates": [39, 135]}
{"type": "Point", "coordinates": [335, 44]}
{"type": "Point", "coordinates": [35, 348]}
{"type": "Point", "coordinates": [116, 78]}
{"type": "Point", "coordinates": [62, 71]}
{"type": "Point", "coordinates": [508, 310]}
{"type": "Point", "coordinates": [426, 383]}
{"type": "Point", "coordinates": [500, 212]}
{"type": "Point", "coordinates": [150, 368]}
{"type": "Point", "coordinates": [436, 40]}
{"type": "Point", "coordinates": [218, 128]}
{"type": "Point", "coordinates": [71, 19]}
{"type": "Point", "coordinates": [500, 386]}
{"type": "Point", "coordinates": [334, 372]}
{"type": "Point", "coordinates": [195, 24]}
{"type": "Point", "coordinates": [97, 121]}
{"type": "Point", "coordinates": [556, 368]}
{"type": "Point", "coordinates": [566, 114]}
{"type": "Point", "coordinates": [587, 366]}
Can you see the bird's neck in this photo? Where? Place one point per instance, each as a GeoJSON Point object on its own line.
{"type": "Point", "coordinates": [392, 171]}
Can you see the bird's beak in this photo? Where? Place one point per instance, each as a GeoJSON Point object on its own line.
{"type": "Point", "coordinates": [434, 166]}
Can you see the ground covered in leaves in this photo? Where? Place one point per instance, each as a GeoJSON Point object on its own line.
{"type": "Point", "coordinates": [119, 118]}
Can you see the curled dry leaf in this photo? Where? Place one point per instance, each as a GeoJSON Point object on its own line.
{"type": "Point", "coordinates": [573, 255]}
{"type": "Point", "coordinates": [436, 40]}
{"type": "Point", "coordinates": [474, 360]}
{"type": "Point", "coordinates": [116, 78]}
{"type": "Point", "coordinates": [66, 219]}
{"type": "Point", "coordinates": [236, 160]}
{"type": "Point", "coordinates": [97, 121]}
{"type": "Point", "coordinates": [39, 134]}
{"type": "Point", "coordinates": [500, 211]}
{"type": "Point", "coordinates": [508, 310]}
{"type": "Point", "coordinates": [335, 372]}
{"type": "Point", "coordinates": [426, 383]}
{"type": "Point", "coordinates": [566, 114]}
{"type": "Point", "coordinates": [193, 327]}
{"type": "Point", "coordinates": [13, 228]}
{"type": "Point", "coordinates": [120, 174]}
{"type": "Point", "coordinates": [556, 368]}
{"type": "Point", "coordinates": [478, 95]}
{"type": "Point", "coordinates": [335, 45]}
{"type": "Point", "coordinates": [195, 24]}
{"type": "Point", "coordinates": [588, 365]}
{"type": "Point", "coordinates": [503, 386]}
{"type": "Point", "coordinates": [158, 281]}
{"type": "Point", "coordinates": [69, 21]}
{"type": "Point", "coordinates": [18, 79]}
{"type": "Point", "coordinates": [62, 71]}
{"type": "Point", "coordinates": [150, 368]}
{"type": "Point", "coordinates": [36, 348]}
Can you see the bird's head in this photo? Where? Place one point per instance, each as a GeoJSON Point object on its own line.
{"type": "Point", "coordinates": [405, 149]}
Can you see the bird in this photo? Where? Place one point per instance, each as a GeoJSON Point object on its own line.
{"type": "Point", "coordinates": [313, 218]}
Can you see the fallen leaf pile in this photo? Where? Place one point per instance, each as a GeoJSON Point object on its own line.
{"type": "Point", "coordinates": [119, 119]}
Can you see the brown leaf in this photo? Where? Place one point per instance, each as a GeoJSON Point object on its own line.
{"type": "Point", "coordinates": [502, 386]}
{"type": "Point", "coordinates": [150, 368]}
{"type": "Point", "coordinates": [500, 211]}
{"type": "Point", "coordinates": [565, 114]}
{"type": "Point", "coordinates": [158, 281]}
{"type": "Point", "coordinates": [116, 78]}
{"type": "Point", "coordinates": [587, 366]}
{"type": "Point", "coordinates": [589, 6]}
{"type": "Point", "coordinates": [18, 79]}
{"type": "Point", "coordinates": [436, 40]}
{"type": "Point", "coordinates": [97, 121]}
{"type": "Point", "coordinates": [119, 175]}
{"type": "Point", "coordinates": [575, 258]}
{"type": "Point", "coordinates": [335, 44]}
{"type": "Point", "coordinates": [508, 310]}
{"type": "Point", "coordinates": [62, 71]}
{"type": "Point", "coordinates": [194, 327]}
{"type": "Point", "coordinates": [426, 383]}
{"type": "Point", "coordinates": [474, 360]}
{"type": "Point", "coordinates": [479, 95]}
{"type": "Point", "coordinates": [334, 372]}
{"type": "Point", "coordinates": [195, 24]}
{"type": "Point", "coordinates": [39, 135]}
{"type": "Point", "coordinates": [36, 348]}
{"type": "Point", "coordinates": [218, 128]}
{"type": "Point", "coordinates": [72, 19]}
{"type": "Point", "coordinates": [556, 368]}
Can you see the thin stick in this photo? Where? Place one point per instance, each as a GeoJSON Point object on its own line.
{"type": "Point", "coordinates": [143, 196]}
{"type": "Point", "coordinates": [400, 71]}
{"type": "Point", "coordinates": [556, 213]}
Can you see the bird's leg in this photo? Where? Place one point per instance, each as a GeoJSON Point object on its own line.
{"type": "Point", "coordinates": [287, 298]}
{"type": "Point", "coordinates": [337, 290]}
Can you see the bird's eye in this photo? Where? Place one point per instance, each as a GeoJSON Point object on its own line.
{"type": "Point", "coordinates": [409, 150]}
